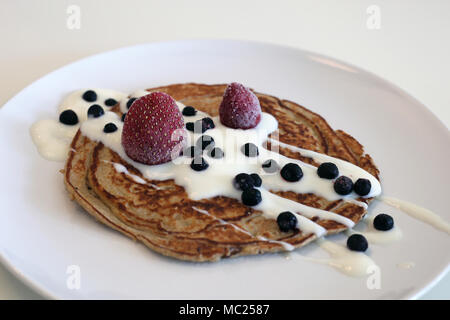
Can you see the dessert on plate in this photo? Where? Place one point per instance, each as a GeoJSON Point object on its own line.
{"type": "Point", "coordinates": [204, 172]}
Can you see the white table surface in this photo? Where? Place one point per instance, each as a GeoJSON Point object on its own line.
{"type": "Point", "coordinates": [411, 48]}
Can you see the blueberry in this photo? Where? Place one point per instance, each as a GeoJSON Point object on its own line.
{"type": "Point", "coordinates": [189, 111]}
{"type": "Point", "coordinates": [199, 164]}
{"type": "Point", "coordinates": [287, 221]}
{"type": "Point", "coordinates": [90, 96]}
{"type": "Point", "coordinates": [362, 187]}
{"type": "Point", "coordinates": [68, 117]}
{"type": "Point", "coordinates": [250, 150]}
{"type": "Point", "coordinates": [270, 166]}
{"type": "Point", "coordinates": [251, 197]}
{"type": "Point", "coordinates": [204, 142]}
{"type": "Point", "coordinates": [257, 182]}
{"type": "Point", "coordinates": [343, 185]}
{"type": "Point", "coordinates": [110, 102]}
{"type": "Point", "coordinates": [383, 222]}
{"type": "Point", "coordinates": [357, 242]}
{"type": "Point", "coordinates": [123, 117]}
{"type": "Point", "coordinates": [291, 172]}
{"type": "Point", "coordinates": [328, 170]}
{"type": "Point", "coordinates": [192, 152]}
{"type": "Point", "coordinates": [95, 111]}
{"type": "Point", "coordinates": [130, 102]}
{"type": "Point", "coordinates": [202, 125]}
{"type": "Point", "coordinates": [216, 153]}
{"type": "Point", "coordinates": [109, 128]}
{"type": "Point", "coordinates": [243, 181]}
{"type": "Point", "coordinates": [207, 123]}
{"type": "Point", "coordinates": [190, 126]}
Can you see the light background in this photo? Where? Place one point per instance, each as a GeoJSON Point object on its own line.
{"type": "Point", "coordinates": [411, 49]}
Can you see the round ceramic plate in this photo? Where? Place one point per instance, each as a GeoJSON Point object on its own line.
{"type": "Point", "coordinates": [46, 239]}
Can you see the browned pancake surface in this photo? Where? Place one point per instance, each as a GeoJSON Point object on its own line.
{"type": "Point", "coordinates": [161, 215]}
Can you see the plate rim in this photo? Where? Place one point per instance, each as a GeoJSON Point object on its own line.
{"type": "Point", "coordinates": [36, 285]}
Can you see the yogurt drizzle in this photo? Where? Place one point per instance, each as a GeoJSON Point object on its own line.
{"type": "Point", "coordinates": [286, 246]}
{"type": "Point", "coordinates": [376, 236]}
{"type": "Point", "coordinates": [351, 263]}
{"type": "Point", "coordinates": [419, 213]}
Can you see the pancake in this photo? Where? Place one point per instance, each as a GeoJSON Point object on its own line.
{"type": "Point", "coordinates": [162, 216]}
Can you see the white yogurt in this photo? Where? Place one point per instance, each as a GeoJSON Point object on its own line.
{"type": "Point", "coordinates": [375, 236]}
{"type": "Point", "coordinates": [419, 213]}
{"type": "Point", "coordinates": [351, 263]}
{"type": "Point", "coordinates": [122, 169]}
{"type": "Point", "coordinates": [75, 102]}
{"type": "Point", "coordinates": [345, 169]}
{"type": "Point", "coordinates": [285, 245]}
{"type": "Point", "coordinates": [217, 179]}
{"type": "Point", "coordinates": [52, 138]}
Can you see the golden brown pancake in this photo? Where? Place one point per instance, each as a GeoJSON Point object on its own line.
{"type": "Point", "coordinates": [160, 213]}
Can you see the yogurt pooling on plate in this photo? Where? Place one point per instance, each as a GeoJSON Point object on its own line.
{"type": "Point", "coordinates": [52, 138]}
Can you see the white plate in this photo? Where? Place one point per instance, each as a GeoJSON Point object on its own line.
{"type": "Point", "coordinates": [42, 232]}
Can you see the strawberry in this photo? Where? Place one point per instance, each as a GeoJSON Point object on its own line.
{"type": "Point", "coordinates": [240, 107]}
{"type": "Point", "coordinates": [153, 131]}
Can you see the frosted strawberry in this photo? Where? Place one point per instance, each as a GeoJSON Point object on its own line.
{"type": "Point", "coordinates": [240, 107]}
{"type": "Point", "coordinates": [153, 131]}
